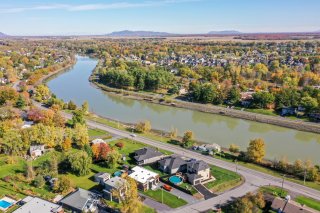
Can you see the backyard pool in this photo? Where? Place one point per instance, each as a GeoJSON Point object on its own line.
{"type": "Point", "coordinates": [5, 203]}
{"type": "Point", "coordinates": [117, 173]}
{"type": "Point", "coordinates": [175, 179]}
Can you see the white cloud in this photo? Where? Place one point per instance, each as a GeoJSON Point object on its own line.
{"type": "Point", "coordinates": [88, 7]}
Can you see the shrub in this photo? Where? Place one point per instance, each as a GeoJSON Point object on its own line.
{"type": "Point", "coordinates": [120, 145]}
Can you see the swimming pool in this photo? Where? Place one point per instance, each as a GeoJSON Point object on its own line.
{"type": "Point", "coordinates": [175, 179]}
{"type": "Point", "coordinates": [4, 204]}
{"type": "Point", "coordinates": [118, 173]}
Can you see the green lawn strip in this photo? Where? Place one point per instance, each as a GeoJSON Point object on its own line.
{"type": "Point", "coordinates": [225, 179]}
{"type": "Point", "coordinates": [310, 202]}
{"type": "Point", "coordinates": [115, 205]}
{"type": "Point", "coordinates": [96, 132]}
{"type": "Point", "coordinates": [274, 190]}
{"type": "Point", "coordinates": [168, 199]}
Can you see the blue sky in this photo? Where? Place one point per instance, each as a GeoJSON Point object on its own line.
{"type": "Point", "coordinates": [63, 17]}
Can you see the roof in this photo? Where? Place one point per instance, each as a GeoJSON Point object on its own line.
{"type": "Point", "coordinates": [193, 176]}
{"type": "Point", "coordinates": [78, 199]}
{"type": "Point", "coordinates": [115, 182]}
{"type": "Point", "coordinates": [172, 162]}
{"type": "Point", "coordinates": [146, 153]}
{"type": "Point", "coordinates": [198, 165]}
{"type": "Point", "coordinates": [38, 205]}
{"type": "Point", "coordinates": [290, 207]}
{"type": "Point", "coordinates": [142, 175]}
{"type": "Point", "coordinates": [103, 174]}
{"type": "Point", "coordinates": [36, 147]}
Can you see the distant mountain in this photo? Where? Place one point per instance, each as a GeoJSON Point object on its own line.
{"type": "Point", "coordinates": [128, 33]}
{"type": "Point", "coordinates": [225, 32]}
{"type": "Point", "coordinates": [2, 35]}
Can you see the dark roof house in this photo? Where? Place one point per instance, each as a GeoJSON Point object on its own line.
{"type": "Point", "coordinates": [147, 155]}
{"type": "Point", "coordinates": [172, 164]}
{"type": "Point", "coordinates": [80, 201]}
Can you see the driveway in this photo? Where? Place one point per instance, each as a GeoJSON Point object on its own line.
{"type": "Point", "coordinates": [155, 205]}
{"type": "Point", "coordinates": [204, 191]}
{"type": "Point", "coordinates": [189, 198]}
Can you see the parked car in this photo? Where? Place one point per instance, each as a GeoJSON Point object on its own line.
{"type": "Point", "coordinates": [167, 187]}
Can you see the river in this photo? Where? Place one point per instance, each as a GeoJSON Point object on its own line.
{"type": "Point", "coordinates": [210, 128]}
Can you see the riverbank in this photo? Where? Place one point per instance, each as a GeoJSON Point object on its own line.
{"type": "Point", "coordinates": [158, 99]}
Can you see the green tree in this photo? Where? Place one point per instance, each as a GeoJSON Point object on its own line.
{"type": "Point", "coordinates": [11, 143]}
{"type": "Point", "coordinates": [78, 117]}
{"type": "Point", "coordinates": [62, 185]}
{"type": "Point", "coordinates": [85, 107]}
{"type": "Point", "coordinates": [143, 126]}
{"type": "Point", "coordinates": [309, 103]}
{"type": "Point", "coordinates": [263, 99]}
{"type": "Point", "coordinates": [42, 93]}
{"type": "Point", "coordinates": [20, 102]}
{"type": "Point", "coordinates": [38, 181]}
{"type": "Point", "coordinates": [72, 105]}
{"type": "Point", "coordinates": [234, 96]}
{"type": "Point", "coordinates": [187, 140]}
{"type": "Point", "coordinates": [256, 150]}
{"type": "Point", "coordinates": [234, 148]}
{"type": "Point", "coordinates": [80, 163]}
{"type": "Point", "coordinates": [113, 158]}
{"type": "Point", "coordinates": [29, 171]}
{"type": "Point", "coordinates": [80, 135]}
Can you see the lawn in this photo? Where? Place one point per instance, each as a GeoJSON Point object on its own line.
{"type": "Point", "coordinates": [274, 190]}
{"type": "Point", "coordinates": [96, 132]}
{"type": "Point", "coordinates": [114, 205]}
{"type": "Point", "coordinates": [312, 203]}
{"type": "Point", "coordinates": [225, 179]}
{"type": "Point", "coordinates": [168, 199]}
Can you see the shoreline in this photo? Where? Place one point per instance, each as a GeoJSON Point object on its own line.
{"type": "Point", "coordinates": [212, 109]}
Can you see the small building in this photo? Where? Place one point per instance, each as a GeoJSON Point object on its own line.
{"type": "Point", "coordinates": [115, 183]}
{"type": "Point", "coordinates": [288, 206]}
{"type": "Point", "coordinates": [97, 141]}
{"type": "Point", "coordinates": [36, 150]}
{"type": "Point", "coordinates": [147, 155]}
{"type": "Point", "coordinates": [172, 164]}
{"type": "Point", "coordinates": [101, 177]}
{"type": "Point", "coordinates": [27, 124]}
{"type": "Point", "coordinates": [145, 178]}
{"type": "Point", "coordinates": [80, 201]}
{"type": "Point", "coordinates": [198, 172]}
{"type": "Point", "coordinates": [38, 205]}
{"type": "Point", "coordinates": [285, 111]}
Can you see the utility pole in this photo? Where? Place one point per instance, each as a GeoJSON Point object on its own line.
{"type": "Point", "coordinates": [162, 195]}
{"type": "Point", "coordinates": [304, 176]}
{"type": "Point", "coordinates": [282, 185]}
{"type": "Point", "coordinates": [236, 162]}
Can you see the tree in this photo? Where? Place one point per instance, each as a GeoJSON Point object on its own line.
{"type": "Point", "coordinates": [81, 136]}
{"type": "Point", "coordinates": [309, 103]}
{"type": "Point", "coordinates": [20, 102]}
{"type": "Point", "coordinates": [79, 162]}
{"type": "Point", "coordinates": [143, 126]}
{"type": "Point", "coordinates": [53, 167]}
{"type": "Point", "coordinates": [130, 201]}
{"type": "Point", "coordinates": [85, 108]}
{"type": "Point", "coordinates": [72, 105]}
{"type": "Point", "coordinates": [113, 157]}
{"type": "Point", "coordinates": [256, 150]}
{"type": "Point", "coordinates": [298, 166]}
{"type": "Point", "coordinates": [119, 144]}
{"type": "Point", "coordinates": [66, 145]}
{"type": "Point", "coordinates": [62, 185]}
{"type": "Point", "coordinates": [87, 148]}
{"type": "Point", "coordinates": [173, 133]}
{"type": "Point", "coordinates": [29, 172]}
{"type": "Point", "coordinates": [263, 99]}
{"type": "Point", "coordinates": [100, 151]}
{"type": "Point", "coordinates": [38, 181]}
{"type": "Point", "coordinates": [11, 143]}
{"type": "Point", "coordinates": [78, 117]}
{"type": "Point", "coordinates": [42, 93]}
{"type": "Point", "coordinates": [187, 140]}
{"type": "Point", "coordinates": [7, 94]}
{"type": "Point", "coordinates": [234, 95]}
{"type": "Point", "coordinates": [234, 148]}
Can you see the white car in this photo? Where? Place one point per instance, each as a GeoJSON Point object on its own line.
{"type": "Point", "coordinates": [133, 135]}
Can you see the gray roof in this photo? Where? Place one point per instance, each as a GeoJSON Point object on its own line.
{"type": "Point", "coordinates": [38, 205]}
{"type": "Point", "coordinates": [198, 165]}
{"type": "Point", "coordinates": [146, 153]}
{"type": "Point", "coordinates": [115, 182]}
{"type": "Point", "coordinates": [78, 199]}
{"type": "Point", "coordinates": [36, 147]}
{"type": "Point", "coordinates": [193, 176]}
{"type": "Point", "coordinates": [172, 162]}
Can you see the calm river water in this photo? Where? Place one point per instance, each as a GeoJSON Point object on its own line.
{"type": "Point", "coordinates": [74, 85]}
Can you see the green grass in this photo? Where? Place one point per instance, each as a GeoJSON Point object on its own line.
{"type": "Point", "coordinates": [168, 199]}
{"type": "Point", "coordinates": [310, 202]}
{"type": "Point", "coordinates": [274, 190]}
{"type": "Point", "coordinates": [85, 182]}
{"type": "Point", "coordinates": [225, 179]}
{"type": "Point", "coordinates": [115, 205]}
{"type": "Point", "coordinates": [269, 112]}
{"type": "Point", "coordinates": [96, 132]}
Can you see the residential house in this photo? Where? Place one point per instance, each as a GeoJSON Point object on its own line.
{"type": "Point", "coordinates": [172, 164]}
{"type": "Point", "coordinates": [27, 124]}
{"type": "Point", "coordinates": [115, 183]}
{"type": "Point", "coordinates": [80, 201]}
{"type": "Point", "coordinates": [36, 150]}
{"type": "Point", "coordinates": [210, 147]}
{"type": "Point", "coordinates": [145, 178]}
{"type": "Point", "coordinates": [198, 172]}
{"type": "Point", "coordinates": [288, 206]}
{"type": "Point", "coordinates": [288, 111]}
{"type": "Point", "coordinates": [97, 141]}
{"type": "Point", "coordinates": [38, 205]}
{"type": "Point", "coordinates": [101, 177]}
{"type": "Point", "coordinates": [147, 155]}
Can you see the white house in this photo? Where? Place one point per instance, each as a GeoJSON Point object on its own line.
{"type": "Point", "coordinates": [210, 147]}
{"type": "Point", "coordinates": [97, 141]}
{"type": "Point", "coordinates": [145, 178]}
{"type": "Point", "coordinates": [36, 150]}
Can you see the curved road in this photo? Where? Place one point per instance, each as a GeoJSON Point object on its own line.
{"type": "Point", "coordinates": [253, 179]}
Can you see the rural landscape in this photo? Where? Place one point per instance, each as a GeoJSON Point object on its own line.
{"type": "Point", "coordinates": [159, 120]}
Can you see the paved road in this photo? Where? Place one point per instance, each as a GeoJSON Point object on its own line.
{"type": "Point", "coordinates": [253, 179]}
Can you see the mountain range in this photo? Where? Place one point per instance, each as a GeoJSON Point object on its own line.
{"type": "Point", "coordinates": [2, 35]}
{"type": "Point", "coordinates": [225, 32]}
{"type": "Point", "coordinates": [128, 33]}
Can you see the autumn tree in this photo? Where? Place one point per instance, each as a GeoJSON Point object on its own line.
{"type": "Point", "coordinates": [29, 171]}
{"type": "Point", "coordinates": [187, 140]}
{"type": "Point", "coordinates": [62, 185]}
{"type": "Point", "coordinates": [113, 158]}
{"type": "Point", "coordinates": [80, 135]}
{"type": "Point", "coordinates": [256, 150]}
{"type": "Point", "coordinates": [42, 93]}
{"type": "Point", "coordinates": [234, 148]}
{"type": "Point", "coordinates": [143, 126]}
{"type": "Point", "coordinates": [101, 151]}
{"type": "Point", "coordinates": [66, 145]}
{"type": "Point", "coordinates": [130, 201]}
{"type": "Point", "coordinates": [85, 108]}
{"type": "Point", "coordinates": [78, 117]}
